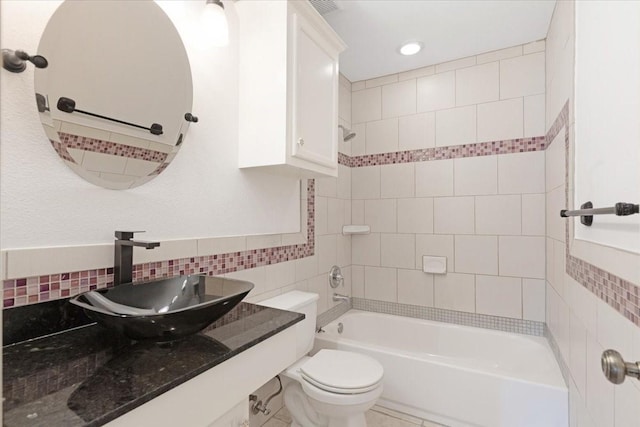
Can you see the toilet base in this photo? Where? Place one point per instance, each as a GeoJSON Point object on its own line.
{"type": "Point", "coordinates": [308, 412]}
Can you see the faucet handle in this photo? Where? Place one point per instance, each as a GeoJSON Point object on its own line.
{"type": "Point", "coordinates": [126, 235]}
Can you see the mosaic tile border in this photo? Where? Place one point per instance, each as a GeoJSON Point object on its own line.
{"type": "Point", "coordinates": [504, 324]}
{"type": "Point", "coordinates": [95, 145]}
{"type": "Point", "coordinates": [31, 290]}
{"type": "Point", "coordinates": [490, 148]}
{"type": "Point", "coordinates": [620, 294]}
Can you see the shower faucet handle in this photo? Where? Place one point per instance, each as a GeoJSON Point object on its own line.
{"type": "Point", "coordinates": [335, 277]}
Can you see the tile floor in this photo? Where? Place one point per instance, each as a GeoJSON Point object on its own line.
{"type": "Point", "coordinates": [376, 417]}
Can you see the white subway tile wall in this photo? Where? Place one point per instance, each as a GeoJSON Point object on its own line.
{"type": "Point", "coordinates": [485, 214]}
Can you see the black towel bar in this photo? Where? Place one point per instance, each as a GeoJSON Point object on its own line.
{"type": "Point", "coordinates": [68, 105]}
{"type": "Point", "coordinates": [586, 211]}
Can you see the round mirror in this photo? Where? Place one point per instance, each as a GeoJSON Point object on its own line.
{"type": "Point", "coordinates": [115, 100]}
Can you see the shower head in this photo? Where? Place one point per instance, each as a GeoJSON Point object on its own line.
{"type": "Point", "coordinates": [347, 134]}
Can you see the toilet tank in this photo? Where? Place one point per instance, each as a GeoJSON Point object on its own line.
{"type": "Point", "coordinates": [300, 302]}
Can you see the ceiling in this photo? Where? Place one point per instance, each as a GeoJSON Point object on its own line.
{"type": "Point", "coordinates": [374, 30]}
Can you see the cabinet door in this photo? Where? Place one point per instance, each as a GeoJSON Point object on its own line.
{"type": "Point", "coordinates": [315, 96]}
{"type": "Point", "coordinates": [236, 417]}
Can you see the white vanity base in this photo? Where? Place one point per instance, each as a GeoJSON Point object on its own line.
{"type": "Point", "coordinates": [203, 400]}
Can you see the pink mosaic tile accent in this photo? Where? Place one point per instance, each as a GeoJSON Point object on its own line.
{"type": "Point", "coordinates": [491, 148]}
{"type": "Point", "coordinates": [31, 290]}
{"type": "Point", "coordinates": [62, 151]}
{"type": "Point", "coordinates": [618, 293]}
{"type": "Point", "coordinates": [106, 147]}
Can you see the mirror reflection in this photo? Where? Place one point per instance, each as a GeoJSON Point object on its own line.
{"type": "Point", "coordinates": [115, 100]}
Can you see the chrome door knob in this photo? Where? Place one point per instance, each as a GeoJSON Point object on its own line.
{"type": "Point", "coordinates": [616, 369]}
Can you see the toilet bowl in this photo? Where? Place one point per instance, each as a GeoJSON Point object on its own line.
{"type": "Point", "coordinates": [332, 388]}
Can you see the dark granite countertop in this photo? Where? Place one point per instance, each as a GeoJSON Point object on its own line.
{"type": "Point", "coordinates": [89, 376]}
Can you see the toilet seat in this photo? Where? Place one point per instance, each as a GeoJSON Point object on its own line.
{"type": "Point", "coordinates": [342, 372]}
{"type": "Point", "coordinates": [336, 389]}
{"type": "Point", "coordinates": [337, 399]}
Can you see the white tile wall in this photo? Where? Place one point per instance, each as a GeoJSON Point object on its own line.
{"type": "Point", "coordinates": [456, 126]}
{"type": "Point", "coordinates": [415, 215]}
{"type": "Point", "coordinates": [415, 288]}
{"type": "Point", "coordinates": [321, 218]}
{"type": "Point", "coordinates": [366, 249]}
{"type": "Point", "coordinates": [366, 105]}
{"type": "Point", "coordinates": [358, 142]}
{"type": "Point", "coordinates": [521, 173]}
{"type": "Point", "coordinates": [476, 175]}
{"type": "Point", "coordinates": [499, 296]}
{"type": "Point", "coordinates": [365, 182]}
{"type": "Point", "coordinates": [522, 76]}
{"type": "Point", "coordinates": [326, 250]}
{"type": "Point", "coordinates": [533, 299]}
{"type": "Point", "coordinates": [397, 250]}
{"type": "Point", "coordinates": [399, 99]}
{"type": "Point", "coordinates": [476, 254]}
{"type": "Point", "coordinates": [485, 214]}
{"type": "Point", "coordinates": [534, 115]}
{"type": "Point", "coordinates": [380, 284]}
{"type": "Point", "coordinates": [533, 214]}
{"type": "Point", "coordinates": [501, 120]}
{"type": "Point", "coordinates": [436, 92]}
{"type": "Point", "coordinates": [434, 178]}
{"type": "Point", "coordinates": [478, 84]}
{"type": "Point", "coordinates": [382, 136]}
{"type": "Point", "coordinates": [455, 64]}
{"type": "Point", "coordinates": [453, 215]}
{"type": "Point", "coordinates": [497, 55]}
{"type": "Point", "coordinates": [464, 94]}
{"type": "Point", "coordinates": [534, 47]}
{"type": "Point", "coordinates": [397, 181]}
{"type": "Point", "coordinates": [455, 292]}
{"type": "Point", "coordinates": [417, 131]}
{"type": "Point", "coordinates": [380, 81]}
{"type": "Point", "coordinates": [500, 215]}
{"type": "Point", "coordinates": [380, 215]}
{"type": "Point", "coordinates": [522, 256]}
{"type": "Point", "coordinates": [336, 215]}
{"type": "Point", "coordinates": [357, 281]}
{"type": "Point", "coordinates": [418, 72]}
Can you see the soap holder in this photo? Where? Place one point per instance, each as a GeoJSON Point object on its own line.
{"type": "Point", "coordinates": [355, 229]}
{"type": "Point", "coordinates": [434, 264]}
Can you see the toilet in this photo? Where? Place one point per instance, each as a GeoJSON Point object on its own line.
{"type": "Point", "coordinates": [333, 388]}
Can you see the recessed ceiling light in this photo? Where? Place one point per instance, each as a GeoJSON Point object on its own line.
{"type": "Point", "coordinates": [410, 48]}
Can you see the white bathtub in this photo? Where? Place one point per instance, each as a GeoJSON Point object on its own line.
{"type": "Point", "coordinates": [457, 375]}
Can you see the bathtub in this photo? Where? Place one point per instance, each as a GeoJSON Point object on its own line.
{"type": "Point", "coordinates": [458, 376]}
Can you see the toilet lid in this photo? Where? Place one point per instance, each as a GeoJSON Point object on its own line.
{"type": "Point", "coordinates": [342, 371]}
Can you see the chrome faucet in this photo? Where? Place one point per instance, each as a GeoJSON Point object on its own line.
{"type": "Point", "coordinates": [340, 297]}
{"type": "Point", "coordinates": [123, 255]}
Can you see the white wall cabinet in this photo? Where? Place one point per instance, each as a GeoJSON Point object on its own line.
{"type": "Point", "coordinates": [288, 96]}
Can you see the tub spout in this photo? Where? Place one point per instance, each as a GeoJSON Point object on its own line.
{"type": "Point", "coordinates": [339, 297]}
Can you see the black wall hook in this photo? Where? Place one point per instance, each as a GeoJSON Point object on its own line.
{"type": "Point", "coordinates": [190, 118]}
{"type": "Point", "coordinates": [14, 61]}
